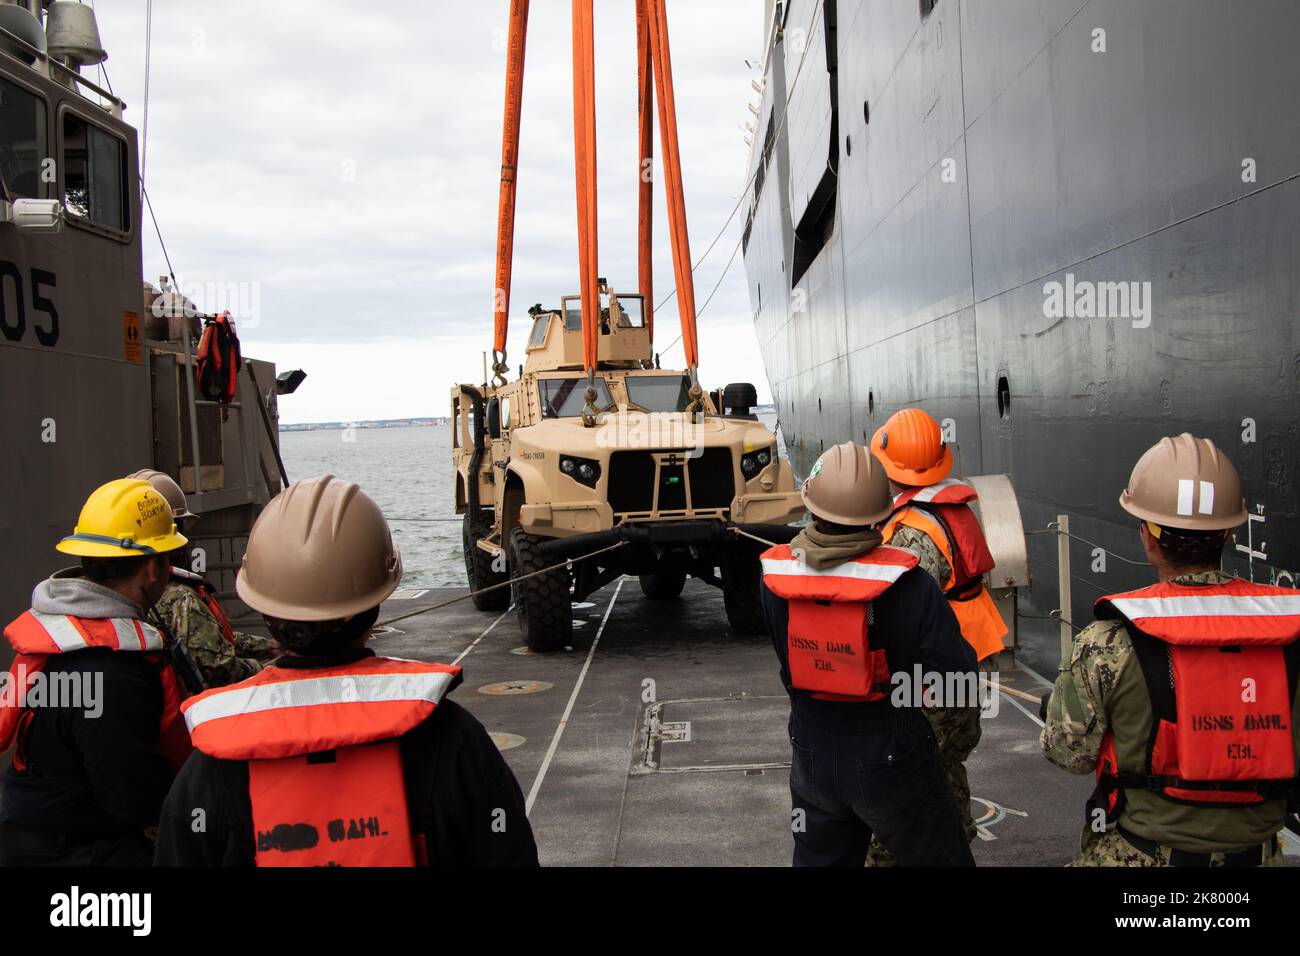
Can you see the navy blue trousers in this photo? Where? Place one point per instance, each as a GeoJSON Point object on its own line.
{"type": "Point", "coordinates": [883, 778]}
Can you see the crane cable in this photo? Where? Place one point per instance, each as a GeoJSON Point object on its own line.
{"type": "Point", "coordinates": [515, 49]}
{"type": "Point", "coordinates": [645, 165]}
{"type": "Point", "coordinates": [584, 160]}
{"type": "Point", "coordinates": [777, 127]}
{"type": "Point", "coordinates": [681, 248]}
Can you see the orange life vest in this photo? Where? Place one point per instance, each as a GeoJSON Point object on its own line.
{"type": "Point", "coordinates": [217, 367]}
{"type": "Point", "coordinates": [209, 598]}
{"type": "Point", "coordinates": [324, 763]}
{"type": "Point", "coordinates": [942, 513]}
{"type": "Point", "coordinates": [35, 636]}
{"type": "Point", "coordinates": [1220, 663]}
{"type": "Point", "coordinates": [828, 647]}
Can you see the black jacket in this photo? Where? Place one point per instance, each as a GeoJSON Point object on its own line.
{"type": "Point", "coordinates": [456, 785]}
{"type": "Point", "coordinates": [93, 775]}
{"type": "Point", "coordinates": [913, 625]}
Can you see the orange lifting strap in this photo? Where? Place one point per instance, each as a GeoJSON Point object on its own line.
{"type": "Point", "coordinates": [584, 157]}
{"type": "Point", "coordinates": [645, 163]}
{"type": "Point", "coordinates": [509, 166]}
{"type": "Point", "coordinates": [663, 75]}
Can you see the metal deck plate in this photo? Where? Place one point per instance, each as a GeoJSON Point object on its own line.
{"type": "Point", "coordinates": [712, 734]}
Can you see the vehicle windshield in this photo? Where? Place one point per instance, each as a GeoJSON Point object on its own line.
{"type": "Point", "coordinates": [564, 397]}
{"type": "Point", "coordinates": [659, 393]}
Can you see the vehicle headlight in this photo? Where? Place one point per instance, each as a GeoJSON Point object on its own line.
{"type": "Point", "coordinates": [754, 462]}
{"type": "Point", "coordinates": [585, 471]}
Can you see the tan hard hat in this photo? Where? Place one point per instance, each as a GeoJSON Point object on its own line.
{"type": "Point", "coordinates": [166, 486]}
{"type": "Point", "coordinates": [848, 486]}
{"type": "Point", "coordinates": [1185, 482]}
{"type": "Point", "coordinates": [319, 551]}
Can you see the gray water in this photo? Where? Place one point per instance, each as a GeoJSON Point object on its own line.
{"type": "Point", "coordinates": [408, 473]}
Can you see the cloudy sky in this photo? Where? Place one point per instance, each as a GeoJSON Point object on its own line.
{"type": "Point", "coordinates": [341, 160]}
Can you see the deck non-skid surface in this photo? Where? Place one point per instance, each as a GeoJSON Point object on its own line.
{"type": "Point", "coordinates": [660, 739]}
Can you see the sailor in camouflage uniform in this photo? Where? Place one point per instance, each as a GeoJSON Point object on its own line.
{"type": "Point", "coordinates": [194, 617]}
{"type": "Point", "coordinates": [1099, 716]}
{"type": "Point", "coordinates": [927, 504]}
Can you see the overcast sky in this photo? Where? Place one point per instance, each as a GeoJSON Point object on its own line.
{"type": "Point", "coordinates": [342, 160]}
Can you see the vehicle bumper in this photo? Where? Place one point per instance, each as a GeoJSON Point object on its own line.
{"type": "Point", "coordinates": [663, 534]}
{"type": "Point", "coordinates": [564, 520]}
{"type": "Point", "coordinates": [776, 507]}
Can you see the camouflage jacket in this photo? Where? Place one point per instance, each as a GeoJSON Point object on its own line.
{"type": "Point", "coordinates": [190, 621]}
{"type": "Point", "coordinates": [932, 560]}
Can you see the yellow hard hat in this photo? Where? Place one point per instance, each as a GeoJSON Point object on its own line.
{"type": "Point", "coordinates": [123, 519]}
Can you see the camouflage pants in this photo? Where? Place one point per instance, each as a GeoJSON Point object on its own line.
{"type": "Point", "coordinates": [956, 731]}
{"type": "Point", "coordinates": [1111, 849]}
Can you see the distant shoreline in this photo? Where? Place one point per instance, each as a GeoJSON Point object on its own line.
{"type": "Point", "coordinates": [407, 422]}
{"type": "Point", "coordinates": [379, 423]}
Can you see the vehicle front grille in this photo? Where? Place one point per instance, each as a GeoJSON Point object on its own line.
{"type": "Point", "coordinates": [632, 476]}
{"type": "Point", "coordinates": [713, 481]}
{"type": "Point", "coordinates": [631, 481]}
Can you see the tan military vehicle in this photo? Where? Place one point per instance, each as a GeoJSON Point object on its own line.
{"type": "Point", "coordinates": [653, 479]}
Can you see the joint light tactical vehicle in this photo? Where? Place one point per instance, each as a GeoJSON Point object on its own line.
{"type": "Point", "coordinates": [657, 487]}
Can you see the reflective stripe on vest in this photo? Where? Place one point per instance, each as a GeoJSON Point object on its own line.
{"type": "Point", "coordinates": [860, 579]}
{"type": "Point", "coordinates": [948, 491]}
{"type": "Point", "coordinates": [828, 649]}
{"type": "Point", "coordinates": [283, 712]}
{"type": "Point", "coordinates": [1237, 612]}
{"type": "Point", "coordinates": [35, 636]}
{"type": "Point", "coordinates": [34, 632]}
{"type": "Point", "coordinates": [1222, 732]}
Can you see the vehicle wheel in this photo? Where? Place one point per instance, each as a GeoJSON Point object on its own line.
{"type": "Point", "coordinates": [542, 602]}
{"type": "Point", "coordinates": [742, 573]}
{"type": "Point", "coordinates": [739, 398]}
{"type": "Point", "coordinates": [479, 572]}
{"type": "Point", "coordinates": [663, 585]}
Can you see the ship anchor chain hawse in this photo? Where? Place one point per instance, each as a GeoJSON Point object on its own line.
{"type": "Point", "coordinates": [962, 529]}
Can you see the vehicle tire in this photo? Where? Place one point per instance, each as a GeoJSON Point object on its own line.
{"type": "Point", "coordinates": [542, 602]}
{"type": "Point", "coordinates": [742, 573]}
{"type": "Point", "coordinates": [479, 571]}
{"type": "Point", "coordinates": [663, 585]}
{"type": "Point", "coordinates": [739, 398]}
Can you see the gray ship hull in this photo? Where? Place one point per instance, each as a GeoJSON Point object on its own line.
{"type": "Point", "coordinates": [936, 173]}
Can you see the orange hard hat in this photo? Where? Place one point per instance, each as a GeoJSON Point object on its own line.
{"type": "Point", "coordinates": [912, 449]}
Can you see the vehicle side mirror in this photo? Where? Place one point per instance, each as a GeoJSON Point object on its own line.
{"type": "Point", "coordinates": [33, 215]}
{"type": "Point", "coordinates": [494, 418]}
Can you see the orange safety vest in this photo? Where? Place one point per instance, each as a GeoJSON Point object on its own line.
{"type": "Point", "coordinates": [209, 598]}
{"type": "Point", "coordinates": [828, 647]}
{"type": "Point", "coordinates": [1220, 663]}
{"type": "Point", "coordinates": [941, 512]}
{"type": "Point", "coordinates": [324, 763]}
{"type": "Point", "coordinates": [35, 636]}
